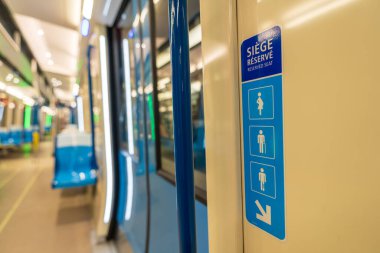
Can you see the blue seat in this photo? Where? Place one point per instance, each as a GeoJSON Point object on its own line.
{"type": "Point", "coordinates": [4, 137]}
{"type": "Point", "coordinates": [15, 136]}
{"type": "Point", "coordinates": [74, 161]}
{"type": "Point", "coordinates": [47, 129]}
{"type": "Point", "coordinates": [28, 135]}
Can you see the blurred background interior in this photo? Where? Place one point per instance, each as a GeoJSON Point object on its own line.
{"type": "Point", "coordinates": [76, 134]}
{"type": "Point", "coordinates": [89, 151]}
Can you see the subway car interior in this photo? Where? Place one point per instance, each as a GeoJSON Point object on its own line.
{"type": "Point", "coordinates": [189, 126]}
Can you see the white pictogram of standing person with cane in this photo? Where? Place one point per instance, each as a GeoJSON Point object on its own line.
{"type": "Point", "coordinates": [261, 142]}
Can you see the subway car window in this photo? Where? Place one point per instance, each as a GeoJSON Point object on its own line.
{"type": "Point", "coordinates": [149, 176]}
{"type": "Point", "coordinates": [130, 80]}
{"type": "Point", "coordinates": [145, 47]}
{"type": "Point", "coordinates": [122, 116]}
{"type": "Point", "coordinates": [164, 94]}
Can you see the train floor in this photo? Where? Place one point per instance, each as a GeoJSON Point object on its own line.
{"type": "Point", "coordinates": [35, 218]}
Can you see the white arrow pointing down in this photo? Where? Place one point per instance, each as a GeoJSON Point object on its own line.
{"type": "Point", "coordinates": [265, 216]}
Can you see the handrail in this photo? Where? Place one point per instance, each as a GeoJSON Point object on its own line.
{"type": "Point", "coordinates": [94, 162]}
{"type": "Point", "coordinates": [183, 140]}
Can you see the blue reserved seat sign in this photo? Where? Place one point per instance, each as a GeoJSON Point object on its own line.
{"type": "Point", "coordinates": [263, 131]}
{"type": "Point", "coordinates": [261, 55]}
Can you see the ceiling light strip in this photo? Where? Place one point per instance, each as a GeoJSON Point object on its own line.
{"type": "Point", "coordinates": [87, 9]}
{"type": "Point", "coordinates": [106, 7]}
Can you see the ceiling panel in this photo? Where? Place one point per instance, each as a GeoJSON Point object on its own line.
{"type": "Point", "coordinates": [65, 13]}
{"type": "Point", "coordinates": [56, 50]}
{"type": "Point", "coordinates": [105, 11]}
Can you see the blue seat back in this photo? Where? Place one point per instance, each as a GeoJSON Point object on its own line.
{"type": "Point", "coordinates": [4, 137]}
{"type": "Point", "coordinates": [74, 166]}
{"type": "Point", "coordinates": [28, 135]}
{"type": "Point", "coordinates": [15, 136]}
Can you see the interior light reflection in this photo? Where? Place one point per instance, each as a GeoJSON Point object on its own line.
{"type": "Point", "coordinates": [299, 20]}
{"type": "Point", "coordinates": [128, 95]}
{"type": "Point", "coordinates": [131, 147]}
{"type": "Point", "coordinates": [106, 7]}
{"type": "Point", "coordinates": [80, 114]}
{"type": "Point", "coordinates": [128, 208]}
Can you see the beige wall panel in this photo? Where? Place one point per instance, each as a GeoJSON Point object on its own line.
{"type": "Point", "coordinates": [331, 123]}
{"type": "Point", "coordinates": [221, 98]}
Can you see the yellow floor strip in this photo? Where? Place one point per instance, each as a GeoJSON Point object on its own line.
{"type": "Point", "coordinates": [18, 202]}
{"type": "Point", "coordinates": [8, 179]}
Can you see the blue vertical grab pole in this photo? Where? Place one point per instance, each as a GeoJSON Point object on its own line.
{"type": "Point", "coordinates": [183, 136]}
{"type": "Point", "coordinates": [94, 163]}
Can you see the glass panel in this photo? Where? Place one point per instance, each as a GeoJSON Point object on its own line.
{"type": "Point", "coordinates": [164, 88]}
{"type": "Point", "coordinates": [122, 113]}
{"type": "Point", "coordinates": [134, 79]}
{"type": "Point", "coordinates": [130, 42]}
